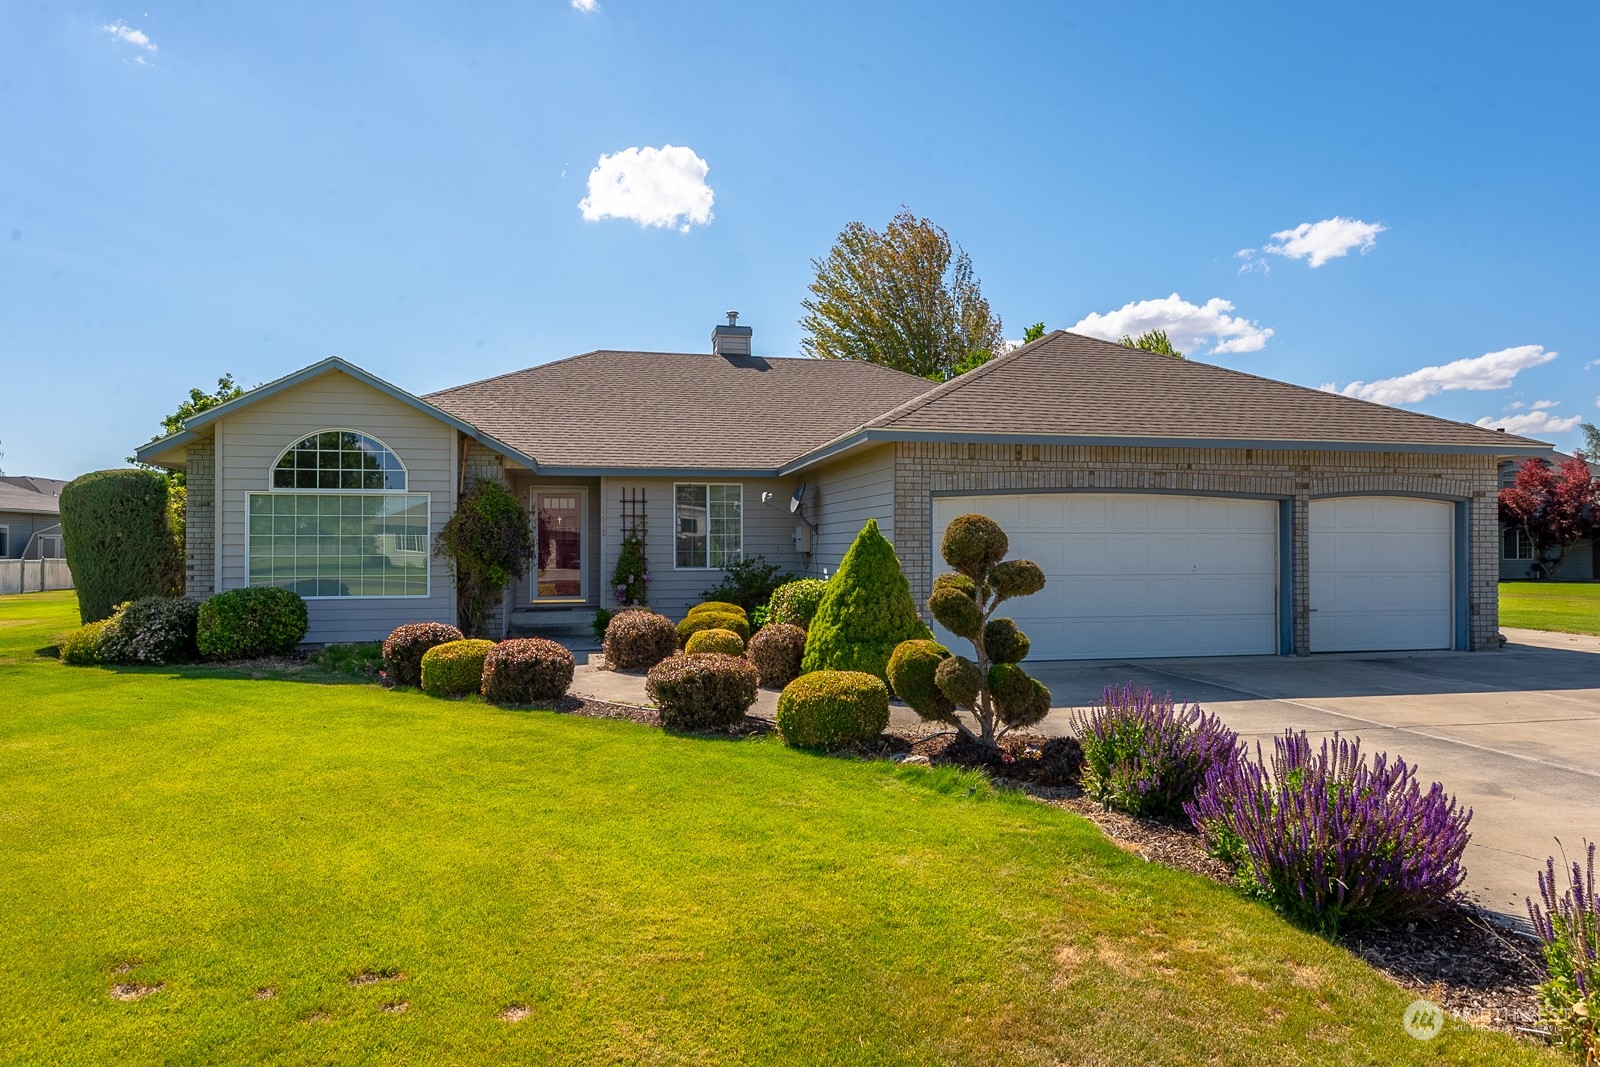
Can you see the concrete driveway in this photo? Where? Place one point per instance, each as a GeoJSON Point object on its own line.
{"type": "Point", "coordinates": [1514, 734]}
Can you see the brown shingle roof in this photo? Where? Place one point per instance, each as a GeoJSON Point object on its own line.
{"type": "Point", "coordinates": [1069, 384]}
{"type": "Point", "coordinates": [677, 411]}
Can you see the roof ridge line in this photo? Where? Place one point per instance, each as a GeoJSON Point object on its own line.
{"type": "Point", "coordinates": [939, 389]}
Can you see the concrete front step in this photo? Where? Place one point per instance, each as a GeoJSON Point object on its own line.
{"type": "Point", "coordinates": [558, 623]}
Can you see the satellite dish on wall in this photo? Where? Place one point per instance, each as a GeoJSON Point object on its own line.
{"type": "Point", "coordinates": [799, 495]}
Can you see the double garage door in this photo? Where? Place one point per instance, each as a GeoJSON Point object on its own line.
{"type": "Point", "coordinates": [1150, 575]}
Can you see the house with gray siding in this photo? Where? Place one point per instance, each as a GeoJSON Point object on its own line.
{"type": "Point", "coordinates": [30, 518]}
{"type": "Point", "coordinates": [1176, 507]}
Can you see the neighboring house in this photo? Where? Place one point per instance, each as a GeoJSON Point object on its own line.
{"type": "Point", "coordinates": [1517, 562]}
{"type": "Point", "coordinates": [1177, 508]}
{"type": "Point", "coordinates": [30, 518]}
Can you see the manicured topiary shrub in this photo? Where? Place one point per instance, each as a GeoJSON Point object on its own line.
{"type": "Point", "coordinates": [455, 668]}
{"type": "Point", "coordinates": [831, 709]}
{"type": "Point", "coordinates": [638, 640]}
{"type": "Point", "coordinates": [260, 620]}
{"type": "Point", "coordinates": [1330, 839]}
{"type": "Point", "coordinates": [82, 647]}
{"type": "Point", "coordinates": [720, 607]}
{"type": "Point", "coordinates": [703, 692]}
{"type": "Point", "coordinates": [712, 620]}
{"type": "Point", "coordinates": [999, 695]}
{"type": "Point", "coordinates": [796, 602]}
{"type": "Point", "coordinates": [153, 630]}
{"type": "Point", "coordinates": [1145, 755]}
{"type": "Point", "coordinates": [403, 649]}
{"type": "Point", "coordinates": [866, 611]}
{"type": "Point", "coordinates": [119, 540]}
{"type": "Point", "coordinates": [911, 674]}
{"type": "Point", "coordinates": [526, 669]}
{"type": "Point", "coordinates": [776, 650]}
{"type": "Point", "coordinates": [725, 642]}
{"type": "Point", "coordinates": [1568, 928]}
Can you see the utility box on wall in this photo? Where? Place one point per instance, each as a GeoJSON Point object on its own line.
{"type": "Point", "coordinates": [802, 540]}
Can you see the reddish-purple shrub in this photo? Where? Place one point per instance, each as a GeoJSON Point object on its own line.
{"type": "Point", "coordinates": [526, 669]}
{"type": "Point", "coordinates": [1328, 838]}
{"type": "Point", "coordinates": [708, 691]}
{"type": "Point", "coordinates": [1568, 926]}
{"type": "Point", "coordinates": [637, 639]}
{"type": "Point", "coordinates": [404, 648]}
{"type": "Point", "coordinates": [1146, 755]}
{"type": "Point", "coordinates": [776, 649]}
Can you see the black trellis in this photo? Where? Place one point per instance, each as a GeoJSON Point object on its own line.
{"type": "Point", "coordinates": [633, 516]}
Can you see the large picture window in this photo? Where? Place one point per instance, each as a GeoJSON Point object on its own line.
{"type": "Point", "coordinates": [708, 521]}
{"type": "Point", "coordinates": [337, 522]}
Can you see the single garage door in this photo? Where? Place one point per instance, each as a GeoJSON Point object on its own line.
{"type": "Point", "coordinates": [1137, 574]}
{"type": "Point", "coordinates": [1381, 574]}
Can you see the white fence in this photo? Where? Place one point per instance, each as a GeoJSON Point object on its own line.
{"type": "Point", "coordinates": [34, 575]}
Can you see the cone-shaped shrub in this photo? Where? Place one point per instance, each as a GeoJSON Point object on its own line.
{"type": "Point", "coordinates": [119, 540]}
{"type": "Point", "coordinates": [865, 613]}
{"type": "Point", "coordinates": [405, 646]}
{"type": "Point", "coordinates": [831, 709]}
{"type": "Point", "coordinates": [1330, 839]}
{"type": "Point", "coordinates": [911, 673]}
{"type": "Point", "coordinates": [725, 642]}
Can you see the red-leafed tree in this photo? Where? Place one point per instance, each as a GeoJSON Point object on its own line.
{"type": "Point", "coordinates": [1556, 507]}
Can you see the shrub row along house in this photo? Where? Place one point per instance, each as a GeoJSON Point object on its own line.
{"type": "Point", "coordinates": [1177, 508]}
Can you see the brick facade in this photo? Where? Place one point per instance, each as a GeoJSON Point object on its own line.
{"type": "Point", "coordinates": [200, 521]}
{"type": "Point", "coordinates": [923, 469]}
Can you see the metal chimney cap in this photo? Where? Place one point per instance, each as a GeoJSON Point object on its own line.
{"type": "Point", "coordinates": [733, 318]}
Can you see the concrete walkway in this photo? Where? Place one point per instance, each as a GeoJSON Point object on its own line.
{"type": "Point", "coordinates": [1515, 734]}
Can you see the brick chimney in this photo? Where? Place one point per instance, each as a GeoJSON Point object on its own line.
{"type": "Point", "coordinates": [732, 339]}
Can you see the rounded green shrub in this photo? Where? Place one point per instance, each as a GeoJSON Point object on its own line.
{"type": "Point", "coordinates": [719, 607]}
{"type": "Point", "coordinates": [959, 680]}
{"type": "Point", "coordinates": [959, 582]}
{"type": "Point", "coordinates": [776, 651]}
{"type": "Point", "coordinates": [82, 647]}
{"type": "Point", "coordinates": [796, 602]}
{"type": "Point", "coordinates": [637, 640]}
{"type": "Point", "coordinates": [119, 539]}
{"type": "Point", "coordinates": [1004, 642]}
{"type": "Point", "coordinates": [1016, 577]}
{"type": "Point", "coordinates": [259, 620]}
{"type": "Point", "coordinates": [454, 668]}
{"type": "Point", "coordinates": [830, 709]}
{"type": "Point", "coordinates": [153, 630]}
{"type": "Point", "coordinates": [405, 646]}
{"type": "Point", "coordinates": [526, 669]}
{"type": "Point", "coordinates": [712, 620]}
{"type": "Point", "coordinates": [866, 611]}
{"type": "Point", "coordinates": [972, 544]}
{"type": "Point", "coordinates": [956, 612]}
{"type": "Point", "coordinates": [911, 675]}
{"type": "Point", "coordinates": [1019, 700]}
{"type": "Point", "coordinates": [725, 642]}
{"type": "Point", "coordinates": [705, 692]}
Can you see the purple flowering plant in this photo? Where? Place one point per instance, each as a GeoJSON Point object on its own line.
{"type": "Point", "coordinates": [1145, 754]}
{"type": "Point", "coordinates": [1568, 928]}
{"type": "Point", "coordinates": [630, 580]}
{"type": "Point", "coordinates": [1331, 839]}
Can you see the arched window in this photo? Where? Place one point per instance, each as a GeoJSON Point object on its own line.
{"type": "Point", "coordinates": [338, 521]}
{"type": "Point", "coordinates": [339, 459]}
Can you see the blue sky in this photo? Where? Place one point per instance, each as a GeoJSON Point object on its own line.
{"type": "Point", "coordinates": [196, 188]}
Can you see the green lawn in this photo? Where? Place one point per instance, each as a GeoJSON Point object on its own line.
{"type": "Point", "coordinates": [1567, 607]}
{"type": "Point", "coordinates": [648, 898]}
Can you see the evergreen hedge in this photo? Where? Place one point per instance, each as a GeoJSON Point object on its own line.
{"type": "Point", "coordinates": [119, 540]}
{"type": "Point", "coordinates": [865, 613]}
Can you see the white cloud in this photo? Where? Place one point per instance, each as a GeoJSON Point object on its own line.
{"type": "Point", "coordinates": [1540, 405]}
{"type": "Point", "coordinates": [1318, 242]}
{"type": "Point", "coordinates": [586, 6]}
{"type": "Point", "coordinates": [1191, 328]}
{"type": "Point", "coordinates": [1536, 422]}
{"type": "Point", "coordinates": [1493, 370]}
{"type": "Point", "coordinates": [128, 35]}
{"type": "Point", "coordinates": [1252, 262]}
{"type": "Point", "coordinates": [663, 186]}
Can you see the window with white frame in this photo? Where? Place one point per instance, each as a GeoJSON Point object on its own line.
{"type": "Point", "coordinates": [708, 524]}
{"type": "Point", "coordinates": [1515, 543]}
{"type": "Point", "coordinates": [338, 522]}
{"type": "Point", "coordinates": [5, 542]}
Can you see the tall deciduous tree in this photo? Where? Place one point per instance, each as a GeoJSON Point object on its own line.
{"type": "Point", "coordinates": [904, 297]}
{"type": "Point", "coordinates": [1153, 341]}
{"type": "Point", "coordinates": [1555, 507]}
{"type": "Point", "coordinates": [1590, 452]}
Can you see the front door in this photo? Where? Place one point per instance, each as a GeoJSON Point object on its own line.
{"type": "Point", "coordinates": [558, 517]}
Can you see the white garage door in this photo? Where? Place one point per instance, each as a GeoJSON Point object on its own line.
{"type": "Point", "coordinates": [1381, 575]}
{"type": "Point", "coordinates": [1136, 575]}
